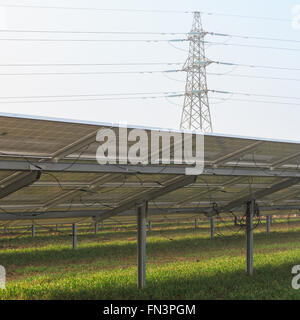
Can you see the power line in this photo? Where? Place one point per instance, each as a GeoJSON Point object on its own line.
{"type": "Point", "coordinates": [246, 16]}
{"type": "Point", "coordinates": [141, 64]}
{"type": "Point", "coordinates": [253, 77]}
{"type": "Point", "coordinates": [250, 46]}
{"type": "Point", "coordinates": [91, 40]}
{"type": "Point", "coordinates": [142, 98]}
{"type": "Point", "coordinates": [142, 72]}
{"type": "Point", "coordinates": [255, 66]}
{"type": "Point", "coordinates": [92, 99]}
{"type": "Point", "coordinates": [253, 94]}
{"type": "Point", "coordinates": [166, 93]}
{"type": "Point", "coordinates": [86, 64]}
{"type": "Point", "coordinates": [251, 37]}
{"type": "Point", "coordinates": [148, 11]}
{"type": "Point", "coordinates": [93, 9]}
{"type": "Point", "coordinates": [144, 40]}
{"type": "Point", "coordinates": [89, 32]}
{"type": "Point", "coordinates": [261, 101]}
{"type": "Point", "coordinates": [87, 73]}
{"type": "Point", "coordinates": [91, 95]}
{"type": "Point", "coordinates": [142, 33]}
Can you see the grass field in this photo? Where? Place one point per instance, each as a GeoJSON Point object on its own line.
{"type": "Point", "coordinates": [182, 263]}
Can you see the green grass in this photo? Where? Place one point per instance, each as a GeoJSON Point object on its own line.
{"type": "Point", "coordinates": [182, 263]}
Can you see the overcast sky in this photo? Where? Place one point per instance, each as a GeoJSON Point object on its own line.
{"type": "Point", "coordinates": [279, 121]}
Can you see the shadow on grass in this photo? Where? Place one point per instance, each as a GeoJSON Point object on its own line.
{"type": "Point", "coordinates": [267, 282]}
{"type": "Point", "coordinates": [156, 248]}
{"type": "Point", "coordinates": [117, 234]}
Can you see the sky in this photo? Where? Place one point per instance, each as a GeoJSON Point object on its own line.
{"type": "Point", "coordinates": [257, 119]}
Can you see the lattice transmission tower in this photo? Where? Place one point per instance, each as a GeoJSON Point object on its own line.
{"type": "Point", "coordinates": [196, 112]}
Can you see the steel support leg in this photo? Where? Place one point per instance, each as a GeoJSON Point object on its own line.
{"type": "Point", "coordinates": [196, 223]}
{"type": "Point", "coordinates": [271, 219]}
{"type": "Point", "coordinates": [57, 227]}
{"type": "Point", "coordinates": [235, 221]}
{"type": "Point", "coordinates": [268, 223]}
{"type": "Point", "coordinates": [102, 225]}
{"type": "Point", "coordinates": [33, 231]}
{"type": "Point", "coordinates": [96, 228]}
{"type": "Point", "coordinates": [74, 233]}
{"type": "Point", "coordinates": [249, 237]}
{"type": "Point", "coordinates": [150, 225]}
{"type": "Point", "coordinates": [212, 228]}
{"type": "Point", "coordinates": [141, 244]}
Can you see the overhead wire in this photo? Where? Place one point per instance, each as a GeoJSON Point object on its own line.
{"type": "Point", "coordinates": [88, 32]}
{"type": "Point", "coordinates": [87, 64]}
{"type": "Point", "coordinates": [252, 77]}
{"type": "Point", "coordinates": [251, 37]}
{"type": "Point", "coordinates": [249, 46]}
{"type": "Point", "coordinates": [255, 66]}
{"type": "Point", "coordinates": [209, 13]}
{"type": "Point", "coordinates": [90, 40]}
{"type": "Point", "coordinates": [88, 73]}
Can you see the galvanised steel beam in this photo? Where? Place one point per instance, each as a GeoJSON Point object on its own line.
{"type": "Point", "coordinates": [284, 160]}
{"type": "Point", "coordinates": [75, 146]}
{"type": "Point", "coordinates": [173, 184]}
{"type": "Point", "coordinates": [252, 170]}
{"type": "Point", "coordinates": [98, 213]}
{"type": "Point", "coordinates": [236, 154]}
{"type": "Point", "coordinates": [19, 182]}
{"type": "Point", "coordinates": [35, 173]}
{"type": "Point", "coordinates": [212, 189]}
{"type": "Point", "coordinates": [256, 195]}
{"type": "Point", "coordinates": [71, 194]}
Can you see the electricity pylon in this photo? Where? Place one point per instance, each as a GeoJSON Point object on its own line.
{"type": "Point", "coordinates": [196, 112]}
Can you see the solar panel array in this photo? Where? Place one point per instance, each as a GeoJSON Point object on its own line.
{"type": "Point", "coordinates": [73, 187]}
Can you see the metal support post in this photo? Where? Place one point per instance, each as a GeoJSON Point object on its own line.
{"type": "Point", "coordinates": [249, 235]}
{"type": "Point", "coordinates": [268, 222]}
{"type": "Point", "coordinates": [96, 228]}
{"type": "Point", "coordinates": [141, 244]}
{"type": "Point", "coordinates": [74, 234]}
{"type": "Point", "coordinates": [33, 231]}
{"type": "Point", "coordinates": [150, 225]}
{"type": "Point", "coordinates": [196, 223]}
{"type": "Point", "coordinates": [212, 228]}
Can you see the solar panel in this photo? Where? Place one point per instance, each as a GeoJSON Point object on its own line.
{"type": "Point", "coordinates": [74, 186]}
